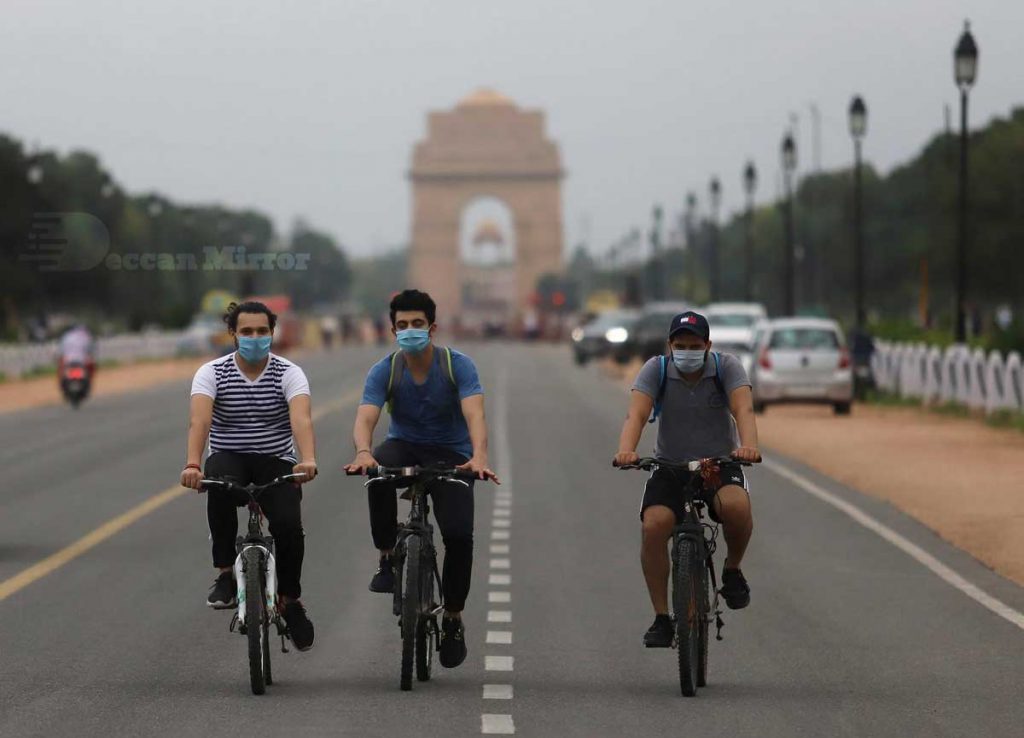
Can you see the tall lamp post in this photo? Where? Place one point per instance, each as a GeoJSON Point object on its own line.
{"type": "Point", "coordinates": [715, 190]}
{"type": "Point", "coordinates": [858, 127]}
{"type": "Point", "coordinates": [655, 271]}
{"type": "Point", "coordinates": [788, 167]}
{"type": "Point", "coordinates": [965, 70]}
{"type": "Point", "coordinates": [749, 186]}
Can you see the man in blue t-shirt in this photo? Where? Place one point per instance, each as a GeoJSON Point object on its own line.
{"type": "Point", "coordinates": [437, 415]}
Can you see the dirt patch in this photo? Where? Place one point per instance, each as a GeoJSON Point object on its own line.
{"type": "Point", "coordinates": [959, 477]}
{"type": "Point", "coordinates": [28, 393]}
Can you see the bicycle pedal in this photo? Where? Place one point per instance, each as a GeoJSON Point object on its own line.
{"type": "Point", "coordinates": [234, 622]}
{"type": "Point", "coordinates": [284, 648]}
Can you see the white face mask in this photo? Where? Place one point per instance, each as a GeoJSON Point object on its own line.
{"type": "Point", "coordinates": [689, 361]}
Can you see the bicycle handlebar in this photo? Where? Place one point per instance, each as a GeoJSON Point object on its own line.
{"type": "Point", "coordinates": [649, 463]}
{"type": "Point", "coordinates": [386, 473]}
{"type": "Point", "coordinates": [250, 488]}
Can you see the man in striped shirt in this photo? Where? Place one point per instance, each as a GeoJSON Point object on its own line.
{"type": "Point", "coordinates": [254, 408]}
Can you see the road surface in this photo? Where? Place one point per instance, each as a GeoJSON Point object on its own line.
{"type": "Point", "coordinates": [847, 634]}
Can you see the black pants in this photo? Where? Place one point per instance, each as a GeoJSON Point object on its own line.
{"type": "Point", "coordinates": [281, 504]}
{"type": "Point", "coordinates": [453, 510]}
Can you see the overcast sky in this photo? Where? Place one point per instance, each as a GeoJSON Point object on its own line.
{"type": "Point", "coordinates": [311, 108]}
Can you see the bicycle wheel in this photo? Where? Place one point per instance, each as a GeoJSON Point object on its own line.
{"type": "Point", "coordinates": [704, 585]}
{"type": "Point", "coordinates": [684, 602]}
{"type": "Point", "coordinates": [266, 651]}
{"type": "Point", "coordinates": [424, 649]}
{"type": "Point", "coordinates": [410, 608]}
{"type": "Point", "coordinates": [255, 615]}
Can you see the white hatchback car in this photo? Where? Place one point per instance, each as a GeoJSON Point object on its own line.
{"type": "Point", "coordinates": [733, 328]}
{"type": "Point", "coordinates": [802, 360]}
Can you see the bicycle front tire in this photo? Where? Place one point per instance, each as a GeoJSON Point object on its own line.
{"type": "Point", "coordinates": [255, 612]}
{"type": "Point", "coordinates": [687, 611]}
{"type": "Point", "coordinates": [410, 608]}
{"type": "Point", "coordinates": [704, 584]}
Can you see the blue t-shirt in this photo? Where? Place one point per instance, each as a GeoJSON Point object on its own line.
{"type": "Point", "coordinates": [427, 413]}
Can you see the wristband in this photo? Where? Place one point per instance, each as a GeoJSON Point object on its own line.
{"type": "Point", "coordinates": [193, 466]}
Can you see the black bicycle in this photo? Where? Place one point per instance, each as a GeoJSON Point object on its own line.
{"type": "Point", "coordinates": [414, 563]}
{"type": "Point", "coordinates": [256, 575]}
{"type": "Point", "coordinates": [694, 585]}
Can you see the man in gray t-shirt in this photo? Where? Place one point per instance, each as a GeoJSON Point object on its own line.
{"type": "Point", "coordinates": [706, 411]}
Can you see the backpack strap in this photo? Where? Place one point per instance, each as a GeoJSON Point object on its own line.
{"type": "Point", "coordinates": [718, 377]}
{"type": "Point", "coordinates": [662, 381]}
{"type": "Point", "coordinates": [397, 371]}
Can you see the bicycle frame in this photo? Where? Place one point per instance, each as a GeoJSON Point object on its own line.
{"type": "Point", "coordinates": [268, 562]}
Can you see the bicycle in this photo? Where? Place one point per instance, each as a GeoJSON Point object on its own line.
{"type": "Point", "coordinates": [693, 571]}
{"type": "Point", "coordinates": [256, 574]}
{"type": "Point", "coordinates": [414, 563]}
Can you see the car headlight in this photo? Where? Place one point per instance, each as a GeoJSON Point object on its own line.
{"type": "Point", "coordinates": [577, 334]}
{"type": "Point", "coordinates": [616, 335]}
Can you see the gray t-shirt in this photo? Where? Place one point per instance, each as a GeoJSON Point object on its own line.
{"type": "Point", "coordinates": [695, 420]}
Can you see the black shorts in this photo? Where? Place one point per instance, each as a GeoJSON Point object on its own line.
{"type": "Point", "coordinates": [665, 487]}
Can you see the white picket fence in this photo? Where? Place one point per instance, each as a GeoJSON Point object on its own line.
{"type": "Point", "coordinates": [21, 358]}
{"type": "Point", "coordinates": [957, 375]}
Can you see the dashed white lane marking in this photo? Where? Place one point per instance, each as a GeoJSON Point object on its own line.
{"type": "Point", "coordinates": [497, 724]}
{"type": "Point", "coordinates": [500, 568]}
{"type": "Point", "coordinates": [497, 691]}
{"type": "Point", "coordinates": [917, 553]}
{"type": "Point", "coordinates": [498, 663]}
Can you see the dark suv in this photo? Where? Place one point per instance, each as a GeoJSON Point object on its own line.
{"type": "Point", "coordinates": [650, 333]}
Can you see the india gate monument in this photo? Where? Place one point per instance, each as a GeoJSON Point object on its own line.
{"type": "Point", "coordinates": [486, 209]}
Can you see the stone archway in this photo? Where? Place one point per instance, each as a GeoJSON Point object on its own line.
{"type": "Point", "coordinates": [485, 150]}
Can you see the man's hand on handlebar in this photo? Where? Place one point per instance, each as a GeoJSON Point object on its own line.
{"type": "Point", "coordinates": [191, 478]}
{"type": "Point", "coordinates": [625, 458]}
{"type": "Point", "coordinates": [479, 469]}
{"type": "Point", "coordinates": [750, 455]}
{"type": "Point", "coordinates": [305, 467]}
{"type": "Point", "coordinates": [363, 461]}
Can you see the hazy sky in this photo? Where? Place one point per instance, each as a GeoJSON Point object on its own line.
{"type": "Point", "coordinates": [312, 108]}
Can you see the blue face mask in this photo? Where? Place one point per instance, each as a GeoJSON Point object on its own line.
{"type": "Point", "coordinates": [689, 361]}
{"type": "Point", "coordinates": [254, 348]}
{"type": "Point", "coordinates": [413, 340]}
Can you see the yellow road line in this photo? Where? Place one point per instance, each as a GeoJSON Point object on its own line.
{"type": "Point", "coordinates": [115, 525]}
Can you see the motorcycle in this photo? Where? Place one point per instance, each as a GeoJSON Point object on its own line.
{"type": "Point", "coordinates": [75, 382]}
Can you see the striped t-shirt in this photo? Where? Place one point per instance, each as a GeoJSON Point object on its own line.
{"type": "Point", "coordinates": [251, 416]}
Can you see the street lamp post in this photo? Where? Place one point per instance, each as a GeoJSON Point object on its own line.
{"type": "Point", "coordinates": [965, 70]}
{"type": "Point", "coordinates": [656, 269]}
{"type": "Point", "coordinates": [858, 127]}
{"type": "Point", "coordinates": [788, 167]}
{"type": "Point", "coordinates": [749, 186]}
{"type": "Point", "coordinates": [715, 190]}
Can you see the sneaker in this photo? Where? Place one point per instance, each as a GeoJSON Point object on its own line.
{"type": "Point", "coordinates": [384, 580]}
{"type": "Point", "coordinates": [660, 634]}
{"type": "Point", "coordinates": [224, 592]}
{"type": "Point", "coordinates": [453, 642]}
{"type": "Point", "coordinates": [300, 627]}
{"type": "Point", "coordinates": [735, 589]}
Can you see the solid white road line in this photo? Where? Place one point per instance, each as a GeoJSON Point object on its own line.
{"type": "Point", "coordinates": [497, 691]}
{"type": "Point", "coordinates": [503, 580]}
{"type": "Point", "coordinates": [499, 637]}
{"type": "Point", "coordinates": [497, 724]}
{"type": "Point", "coordinates": [498, 663]}
{"type": "Point", "coordinates": [499, 548]}
{"type": "Point", "coordinates": [499, 596]}
{"type": "Point", "coordinates": [499, 616]}
{"type": "Point", "coordinates": [924, 558]}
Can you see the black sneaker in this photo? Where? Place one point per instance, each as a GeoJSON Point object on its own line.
{"type": "Point", "coordinates": [735, 589]}
{"type": "Point", "coordinates": [453, 642]}
{"type": "Point", "coordinates": [224, 592]}
{"type": "Point", "coordinates": [300, 627]}
{"type": "Point", "coordinates": [661, 633]}
{"type": "Point", "coordinates": [384, 580]}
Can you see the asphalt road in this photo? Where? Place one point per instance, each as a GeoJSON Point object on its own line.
{"type": "Point", "coordinates": [846, 634]}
